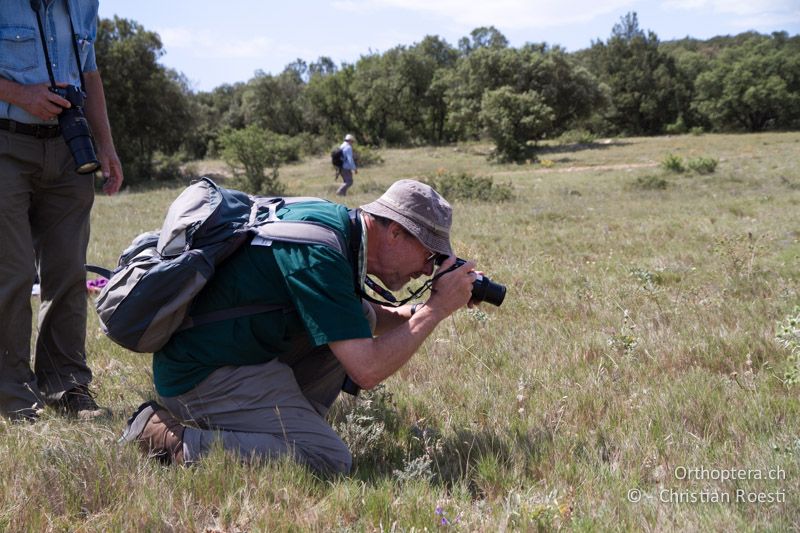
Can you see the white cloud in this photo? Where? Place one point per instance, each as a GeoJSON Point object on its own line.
{"type": "Point", "coordinates": [504, 13]}
{"type": "Point", "coordinates": [778, 8]}
{"type": "Point", "coordinates": [347, 5]}
{"type": "Point", "coordinates": [532, 14]}
{"type": "Point", "coordinates": [200, 43]}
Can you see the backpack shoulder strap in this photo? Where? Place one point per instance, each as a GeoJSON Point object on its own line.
{"type": "Point", "coordinates": [227, 314]}
{"type": "Point", "coordinates": [275, 229]}
{"type": "Point", "coordinates": [303, 232]}
{"type": "Point", "coordinates": [298, 231]}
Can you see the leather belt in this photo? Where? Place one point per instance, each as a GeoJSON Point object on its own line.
{"type": "Point", "coordinates": [40, 131]}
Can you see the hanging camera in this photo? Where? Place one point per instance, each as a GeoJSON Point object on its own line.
{"type": "Point", "coordinates": [75, 129]}
{"type": "Point", "coordinates": [71, 120]}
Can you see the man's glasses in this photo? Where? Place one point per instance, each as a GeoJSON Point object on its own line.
{"type": "Point", "coordinates": [436, 257]}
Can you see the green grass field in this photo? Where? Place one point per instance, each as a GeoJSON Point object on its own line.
{"type": "Point", "coordinates": [632, 380]}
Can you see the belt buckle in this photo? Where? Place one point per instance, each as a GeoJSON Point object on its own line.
{"type": "Point", "coordinates": [44, 131]}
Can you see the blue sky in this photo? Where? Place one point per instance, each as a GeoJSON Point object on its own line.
{"type": "Point", "coordinates": [214, 42]}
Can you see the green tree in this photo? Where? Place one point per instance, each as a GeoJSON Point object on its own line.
{"type": "Point", "coordinates": [376, 93]}
{"type": "Point", "coordinates": [148, 104]}
{"type": "Point", "coordinates": [330, 94]}
{"type": "Point", "coordinates": [515, 121]}
{"type": "Point", "coordinates": [483, 37]}
{"type": "Point", "coordinates": [643, 81]}
{"type": "Point", "coordinates": [213, 112]}
{"type": "Point", "coordinates": [753, 86]}
{"type": "Point", "coordinates": [277, 103]}
{"type": "Point", "coordinates": [569, 90]}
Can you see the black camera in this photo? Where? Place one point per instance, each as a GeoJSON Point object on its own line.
{"type": "Point", "coordinates": [483, 289]}
{"type": "Point", "coordinates": [75, 129]}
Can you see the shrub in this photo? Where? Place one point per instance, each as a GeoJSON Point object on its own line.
{"type": "Point", "coordinates": [673, 163]}
{"type": "Point", "coordinates": [463, 186]}
{"type": "Point", "coordinates": [254, 156]}
{"type": "Point", "coordinates": [367, 157]}
{"type": "Point", "coordinates": [309, 144]}
{"type": "Point", "coordinates": [676, 128]}
{"type": "Point", "coordinates": [651, 183]}
{"type": "Point", "coordinates": [789, 337]}
{"type": "Point", "coordinates": [702, 165]}
{"type": "Point", "coordinates": [576, 136]}
{"type": "Point", "coordinates": [167, 167]}
{"type": "Point", "coordinates": [515, 122]}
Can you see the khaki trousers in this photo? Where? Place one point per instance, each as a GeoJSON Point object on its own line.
{"type": "Point", "coordinates": [44, 224]}
{"type": "Point", "coordinates": [266, 411]}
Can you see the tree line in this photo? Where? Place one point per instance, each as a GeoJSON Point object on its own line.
{"type": "Point", "coordinates": [433, 93]}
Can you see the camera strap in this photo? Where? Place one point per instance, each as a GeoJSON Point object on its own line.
{"type": "Point", "coordinates": [36, 6]}
{"type": "Point", "coordinates": [355, 245]}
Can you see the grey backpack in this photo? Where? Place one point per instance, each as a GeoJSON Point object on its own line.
{"type": "Point", "coordinates": [148, 295]}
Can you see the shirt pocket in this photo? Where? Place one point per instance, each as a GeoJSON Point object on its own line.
{"type": "Point", "coordinates": [18, 50]}
{"type": "Point", "coordinates": [84, 44]}
{"type": "Point", "coordinates": [84, 21]}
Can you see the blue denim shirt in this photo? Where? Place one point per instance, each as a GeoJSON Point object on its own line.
{"type": "Point", "coordinates": [21, 55]}
{"type": "Point", "coordinates": [347, 152]}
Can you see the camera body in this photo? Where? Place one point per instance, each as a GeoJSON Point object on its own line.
{"type": "Point", "coordinates": [483, 289]}
{"type": "Point", "coordinates": [75, 129]}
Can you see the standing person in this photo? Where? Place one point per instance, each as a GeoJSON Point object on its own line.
{"type": "Point", "coordinates": [348, 165]}
{"type": "Point", "coordinates": [262, 384]}
{"type": "Point", "coordinates": [45, 203]}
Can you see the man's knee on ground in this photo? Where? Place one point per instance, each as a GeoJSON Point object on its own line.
{"type": "Point", "coordinates": [331, 462]}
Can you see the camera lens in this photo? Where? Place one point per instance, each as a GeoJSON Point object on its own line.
{"type": "Point", "coordinates": [75, 130]}
{"type": "Point", "coordinates": [485, 290]}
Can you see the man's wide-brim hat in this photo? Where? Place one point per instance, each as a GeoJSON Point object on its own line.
{"type": "Point", "coordinates": [420, 210]}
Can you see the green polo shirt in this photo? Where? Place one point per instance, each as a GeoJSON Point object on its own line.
{"type": "Point", "coordinates": [313, 283]}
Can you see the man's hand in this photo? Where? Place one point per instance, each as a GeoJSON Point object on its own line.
{"type": "Point", "coordinates": [40, 102]}
{"type": "Point", "coordinates": [112, 170]}
{"type": "Point", "coordinates": [452, 290]}
{"type": "Point", "coordinates": [98, 120]}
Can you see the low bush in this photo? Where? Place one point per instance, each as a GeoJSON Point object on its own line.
{"type": "Point", "coordinates": [576, 136]}
{"type": "Point", "coordinates": [463, 186]}
{"type": "Point", "coordinates": [676, 128]}
{"type": "Point", "coordinates": [673, 163]}
{"type": "Point", "coordinates": [651, 183]}
{"type": "Point", "coordinates": [702, 165]}
{"type": "Point", "coordinates": [254, 156]}
{"type": "Point", "coordinates": [172, 167]}
{"type": "Point", "coordinates": [367, 157]}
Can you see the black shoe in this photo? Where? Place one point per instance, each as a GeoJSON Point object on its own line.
{"type": "Point", "coordinates": [79, 403]}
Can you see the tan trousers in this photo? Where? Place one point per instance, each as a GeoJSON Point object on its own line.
{"type": "Point", "coordinates": [44, 223]}
{"type": "Point", "coordinates": [268, 410]}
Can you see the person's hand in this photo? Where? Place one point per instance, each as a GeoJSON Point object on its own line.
{"type": "Point", "coordinates": [452, 290]}
{"type": "Point", "coordinates": [112, 170]}
{"type": "Point", "coordinates": [40, 102]}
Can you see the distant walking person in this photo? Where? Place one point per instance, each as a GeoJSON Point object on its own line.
{"type": "Point", "coordinates": [348, 165]}
{"type": "Point", "coordinates": [47, 63]}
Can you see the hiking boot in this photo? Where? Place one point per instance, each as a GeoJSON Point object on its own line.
{"type": "Point", "coordinates": [79, 403]}
{"type": "Point", "coordinates": [157, 433]}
